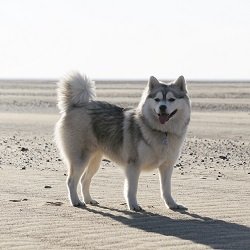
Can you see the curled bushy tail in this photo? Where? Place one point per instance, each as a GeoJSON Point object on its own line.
{"type": "Point", "coordinates": [74, 89]}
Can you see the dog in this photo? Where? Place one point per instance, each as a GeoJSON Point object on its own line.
{"type": "Point", "coordinates": [145, 138]}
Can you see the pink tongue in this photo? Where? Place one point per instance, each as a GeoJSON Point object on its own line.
{"type": "Point", "coordinates": [163, 118]}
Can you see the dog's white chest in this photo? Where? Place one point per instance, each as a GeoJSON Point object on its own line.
{"type": "Point", "coordinates": [164, 152]}
{"type": "Point", "coordinates": [152, 158]}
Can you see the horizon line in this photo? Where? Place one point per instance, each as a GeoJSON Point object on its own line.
{"type": "Point", "coordinates": [53, 79]}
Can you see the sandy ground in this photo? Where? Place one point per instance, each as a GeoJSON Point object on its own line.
{"type": "Point", "coordinates": [212, 177]}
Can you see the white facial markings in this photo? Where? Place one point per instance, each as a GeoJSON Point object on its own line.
{"type": "Point", "coordinates": [170, 96]}
{"type": "Point", "coordinates": [172, 102]}
{"type": "Point", "coordinates": [159, 101]}
{"type": "Point", "coordinates": [159, 96]}
{"type": "Point", "coordinates": [169, 100]}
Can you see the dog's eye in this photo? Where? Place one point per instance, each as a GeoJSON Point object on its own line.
{"type": "Point", "coordinates": [171, 100]}
{"type": "Point", "coordinates": [157, 99]}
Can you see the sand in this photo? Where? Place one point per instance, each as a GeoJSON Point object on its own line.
{"type": "Point", "coordinates": [212, 177]}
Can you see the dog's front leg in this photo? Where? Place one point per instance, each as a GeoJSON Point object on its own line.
{"type": "Point", "coordinates": [132, 173]}
{"type": "Point", "coordinates": [165, 181]}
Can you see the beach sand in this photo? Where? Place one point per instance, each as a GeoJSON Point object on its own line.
{"type": "Point", "coordinates": [211, 178]}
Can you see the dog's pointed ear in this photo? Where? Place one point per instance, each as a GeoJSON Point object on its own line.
{"type": "Point", "coordinates": [181, 83]}
{"type": "Point", "coordinates": [152, 82]}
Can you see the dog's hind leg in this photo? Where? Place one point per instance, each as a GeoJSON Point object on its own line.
{"type": "Point", "coordinates": [76, 169]}
{"type": "Point", "coordinates": [90, 171]}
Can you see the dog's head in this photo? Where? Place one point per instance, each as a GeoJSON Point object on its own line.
{"type": "Point", "coordinates": [164, 104]}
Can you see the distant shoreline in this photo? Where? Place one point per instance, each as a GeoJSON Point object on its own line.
{"type": "Point", "coordinates": [114, 81]}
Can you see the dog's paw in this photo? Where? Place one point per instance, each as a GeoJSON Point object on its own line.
{"type": "Point", "coordinates": [78, 204]}
{"type": "Point", "coordinates": [91, 202]}
{"type": "Point", "coordinates": [177, 207]}
{"type": "Point", "coordinates": [135, 207]}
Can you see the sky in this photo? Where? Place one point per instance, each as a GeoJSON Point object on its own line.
{"type": "Point", "coordinates": [130, 39]}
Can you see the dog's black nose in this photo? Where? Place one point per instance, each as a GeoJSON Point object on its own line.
{"type": "Point", "coordinates": [162, 108]}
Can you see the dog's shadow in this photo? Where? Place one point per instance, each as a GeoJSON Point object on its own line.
{"type": "Point", "coordinates": [198, 229]}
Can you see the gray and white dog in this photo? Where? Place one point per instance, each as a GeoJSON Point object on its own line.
{"type": "Point", "coordinates": [147, 137]}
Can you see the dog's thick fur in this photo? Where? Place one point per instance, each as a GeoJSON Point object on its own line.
{"type": "Point", "coordinates": [144, 138]}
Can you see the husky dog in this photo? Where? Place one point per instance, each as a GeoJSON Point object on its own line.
{"type": "Point", "coordinates": [147, 137]}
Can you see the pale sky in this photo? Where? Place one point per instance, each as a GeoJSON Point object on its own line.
{"type": "Point", "coordinates": [200, 39]}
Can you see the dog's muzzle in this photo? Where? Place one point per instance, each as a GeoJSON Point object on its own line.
{"type": "Point", "coordinates": [164, 117]}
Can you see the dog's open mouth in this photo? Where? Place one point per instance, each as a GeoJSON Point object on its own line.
{"type": "Point", "coordinates": [164, 117]}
